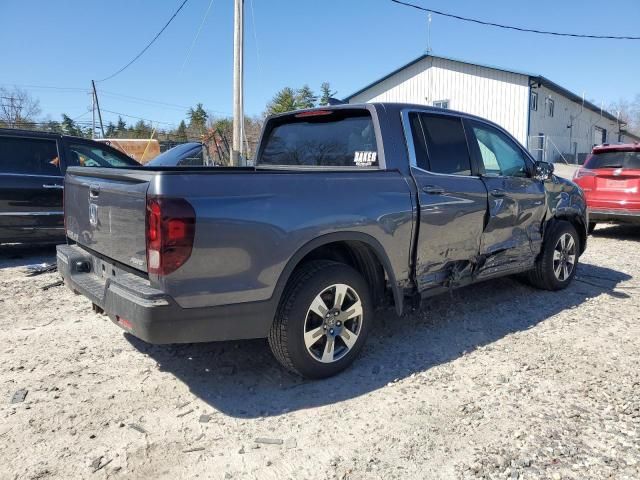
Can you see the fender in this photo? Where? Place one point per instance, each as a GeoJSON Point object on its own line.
{"type": "Point", "coordinates": [565, 201]}
{"type": "Point", "coordinates": [370, 241]}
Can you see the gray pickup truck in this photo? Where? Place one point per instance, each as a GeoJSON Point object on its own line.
{"type": "Point", "coordinates": [348, 208]}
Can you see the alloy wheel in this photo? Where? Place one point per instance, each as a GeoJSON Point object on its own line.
{"type": "Point", "coordinates": [564, 257]}
{"type": "Point", "coordinates": [333, 323]}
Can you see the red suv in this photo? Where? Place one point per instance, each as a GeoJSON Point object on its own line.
{"type": "Point", "coordinates": [610, 179]}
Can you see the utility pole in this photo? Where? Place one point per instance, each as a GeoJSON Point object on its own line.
{"type": "Point", "coordinates": [93, 114]}
{"type": "Point", "coordinates": [238, 87]}
{"type": "Point", "coordinates": [95, 98]}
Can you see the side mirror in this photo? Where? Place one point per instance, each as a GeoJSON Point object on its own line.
{"type": "Point", "coordinates": [543, 170]}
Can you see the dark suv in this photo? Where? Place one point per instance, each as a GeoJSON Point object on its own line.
{"type": "Point", "coordinates": [32, 168]}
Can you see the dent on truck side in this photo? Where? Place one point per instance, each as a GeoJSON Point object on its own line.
{"type": "Point", "coordinates": [565, 200]}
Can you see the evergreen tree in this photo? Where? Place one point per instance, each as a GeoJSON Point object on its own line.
{"type": "Point", "coordinates": [326, 93]}
{"type": "Point", "coordinates": [283, 101]}
{"type": "Point", "coordinates": [69, 127]}
{"type": "Point", "coordinates": [197, 118]}
{"type": "Point", "coordinates": [181, 132]}
{"type": "Point", "coordinates": [121, 127]}
{"type": "Point", "coordinates": [110, 132]}
{"type": "Point", "coordinates": [305, 98]}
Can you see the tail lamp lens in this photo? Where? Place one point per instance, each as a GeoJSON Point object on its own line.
{"type": "Point", "coordinates": [170, 234]}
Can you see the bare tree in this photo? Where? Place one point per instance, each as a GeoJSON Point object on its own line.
{"type": "Point", "coordinates": [17, 107]}
{"type": "Point", "coordinates": [628, 112]}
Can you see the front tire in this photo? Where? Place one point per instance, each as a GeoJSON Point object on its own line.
{"type": "Point", "coordinates": [556, 265]}
{"type": "Point", "coordinates": [323, 319]}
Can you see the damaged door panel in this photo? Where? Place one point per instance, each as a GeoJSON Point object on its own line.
{"type": "Point", "coordinates": [512, 235]}
{"type": "Point", "coordinates": [453, 202]}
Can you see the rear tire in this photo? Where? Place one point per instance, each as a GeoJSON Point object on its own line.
{"type": "Point", "coordinates": [556, 265]}
{"type": "Point", "coordinates": [323, 319]}
{"type": "Point", "coordinates": [591, 228]}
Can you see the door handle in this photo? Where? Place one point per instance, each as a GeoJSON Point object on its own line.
{"type": "Point", "coordinates": [94, 191]}
{"type": "Point", "coordinates": [433, 189]}
{"type": "Point", "coordinates": [54, 185]}
{"type": "Point", "coordinates": [498, 193]}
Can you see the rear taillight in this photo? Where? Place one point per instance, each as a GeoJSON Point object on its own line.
{"type": "Point", "coordinates": [171, 227]}
{"type": "Point", "coordinates": [584, 172]}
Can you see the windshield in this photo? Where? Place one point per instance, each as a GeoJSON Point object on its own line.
{"type": "Point", "coordinates": [613, 160]}
{"type": "Point", "coordinates": [185, 154]}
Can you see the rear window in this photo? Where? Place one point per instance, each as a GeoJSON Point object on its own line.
{"type": "Point", "coordinates": [613, 160]}
{"type": "Point", "coordinates": [337, 139]}
{"type": "Point", "coordinates": [29, 156]}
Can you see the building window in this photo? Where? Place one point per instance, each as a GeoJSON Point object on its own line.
{"type": "Point", "coordinates": [441, 104]}
{"type": "Point", "coordinates": [550, 107]}
{"type": "Point", "coordinates": [533, 101]}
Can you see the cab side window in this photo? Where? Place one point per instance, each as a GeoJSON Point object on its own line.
{"type": "Point", "coordinates": [500, 155]}
{"type": "Point", "coordinates": [29, 156]}
{"type": "Point", "coordinates": [441, 145]}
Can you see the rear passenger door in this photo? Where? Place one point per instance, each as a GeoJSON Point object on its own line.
{"type": "Point", "coordinates": [452, 198]}
{"type": "Point", "coordinates": [31, 186]}
{"type": "Point", "coordinates": [513, 234]}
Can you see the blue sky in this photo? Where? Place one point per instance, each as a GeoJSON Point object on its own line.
{"type": "Point", "coordinates": [349, 43]}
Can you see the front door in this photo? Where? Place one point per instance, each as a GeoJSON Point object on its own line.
{"type": "Point", "coordinates": [31, 190]}
{"type": "Point", "coordinates": [453, 201]}
{"type": "Point", "coordinates": [513, 234]}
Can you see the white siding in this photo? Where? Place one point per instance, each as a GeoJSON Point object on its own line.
{"type": "Point", "coordinates": [567, 112]}
{"type": "Point", "coordinates": [502, 97]}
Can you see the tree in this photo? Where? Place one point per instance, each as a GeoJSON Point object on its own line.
{"type": "Point", "coordinates": [17, 107]}
{"type": "Point", "coordinates": [305, 98]}
{"type": "Point", "coordinates": [110, 132]}
{"type": "Point", "coordinates": [181, 132]}
{"type": "Point", "coordinates": [52, 126]}
{"type": "Point", "coordinates": [121, 126]}
{"type": "Point", "coordinates": [197, 118]}
{"type": "Point", "coordinates": [628, 112]}
{"type": "Point", "coordinates": [326, 93]}
{"type": "Point", "coordinates": [70, 127]}
{"type": "Point", "coordinates": [141, 130]}
{"type": "Point", "coordinates": [283, 101]}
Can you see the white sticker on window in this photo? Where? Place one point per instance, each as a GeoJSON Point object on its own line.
{"type": "Point", "coordinates": [365, 159]}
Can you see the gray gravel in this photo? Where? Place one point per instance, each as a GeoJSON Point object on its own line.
{"type": "Point", "coordinates": [502, 382]}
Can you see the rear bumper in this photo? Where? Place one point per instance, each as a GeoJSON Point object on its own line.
{"type": "Point", "coordinates": [614, 215]}
{"type": "Point", "coordinates": [150, 314]}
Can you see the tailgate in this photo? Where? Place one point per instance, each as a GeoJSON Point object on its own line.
{"type": "Point", "coordinates": [105, 210]}
{"type": "Point", "coordinates": [617, 184]}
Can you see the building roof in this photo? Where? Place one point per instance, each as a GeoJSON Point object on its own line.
{"type": "Point", "coordinates": [533, 77]}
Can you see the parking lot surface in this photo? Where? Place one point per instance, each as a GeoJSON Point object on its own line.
{"type": "Point", "coordinates": [496, 380]}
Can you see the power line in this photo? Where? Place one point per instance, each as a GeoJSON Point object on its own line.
{"type": "Point", "coordinates": [195, 39]}
{"type": "Point", "coordinates": [510, 27]}
{"type": "Point", "coordinates": [255, 38]}
{"type": "Point", "coordinates": [156, 102]}
{"type": "Point", "coordinates": [48, 87]}
{"type": "Point", "coordinates": [137, 118]}
{"type": "Point", "coordinates": [148, 45]}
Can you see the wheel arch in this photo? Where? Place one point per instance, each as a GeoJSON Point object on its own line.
{"type": "Point", "coordinates": [357, 249]}
{"type": "Point", "coordinates": [578, 223]}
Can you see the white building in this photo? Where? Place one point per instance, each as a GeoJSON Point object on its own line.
{"type": "Point", "coordinates": [553, 123]}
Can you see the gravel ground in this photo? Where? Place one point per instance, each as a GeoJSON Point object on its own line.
{"type": "Point", "coordinates": [496, 380]}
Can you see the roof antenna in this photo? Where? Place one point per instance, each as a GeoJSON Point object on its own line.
{"type": "Point", "coordinates": [428, 50]}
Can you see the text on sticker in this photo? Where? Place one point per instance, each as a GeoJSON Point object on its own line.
{"type": "Point", "coordinates": [365, 159]}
